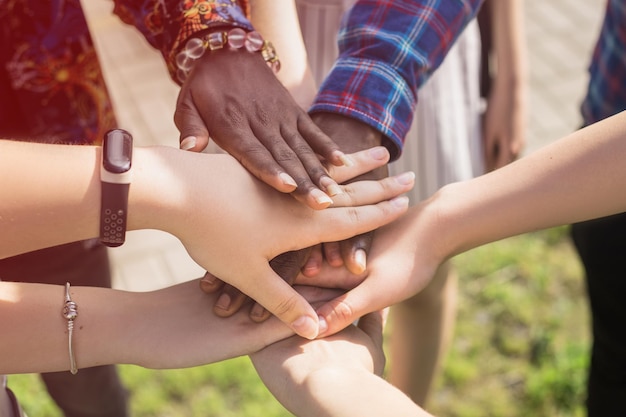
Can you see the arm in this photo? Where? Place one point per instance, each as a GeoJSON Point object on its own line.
{"type": "Point", "coordinates": [233, 96]}
{"type": "Point", "coordinates": [336, 376]}
{"type": "Point", "coordinates": [295, 73]}
{"type": "Point", "coordinates": [505, 116]}
{"type": "Point", "coordinates": [58, 195]}
{"type": "Point", "coordinates": [169, 328]}
{"type": "Point", "coordinates": [387, 50]}
{"type": "Point", "coordinates": [577, 178]}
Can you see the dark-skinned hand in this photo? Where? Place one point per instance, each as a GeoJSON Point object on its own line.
{"type": "Point", "coordinates": [234, 98]}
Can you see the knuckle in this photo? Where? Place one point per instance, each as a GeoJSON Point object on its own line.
{"type": "Point", "coordinates": [286, 305]}
{"type": "Point", "coordinates": [342, 313]}
{"type": "Point", "coordinates": [354, 215]}
{"type": "Point", "coordinates": [281, 152]}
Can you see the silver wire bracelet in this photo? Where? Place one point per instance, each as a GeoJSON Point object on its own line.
{"type": "Point", "coordinates": [70, 312]}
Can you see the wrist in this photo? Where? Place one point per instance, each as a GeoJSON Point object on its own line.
{"type": "Point", "coordinates": [212, 42]}
{"type": "Point", "coordinates": [157, 193]}
{"type": "Point", "coordinates": [350, 134]}
{"type": "Point", "coordinates": [108, 324]}
{"type": "Point", "coordinates": [443, 222]}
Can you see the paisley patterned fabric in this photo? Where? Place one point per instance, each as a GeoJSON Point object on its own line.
{"type": "Point", "coordinates": [51, 83]}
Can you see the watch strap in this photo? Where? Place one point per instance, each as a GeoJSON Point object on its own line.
{"type": "Point", "coordinates": [113, 213]}
{"type": "Point", "coordinates": [115, 178]}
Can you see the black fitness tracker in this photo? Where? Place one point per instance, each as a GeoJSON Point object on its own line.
{"type": "Point", "coordinates": [115, 176]}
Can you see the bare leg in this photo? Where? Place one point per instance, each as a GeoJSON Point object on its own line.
{"type": "Point", "coordinates": [422, 327]}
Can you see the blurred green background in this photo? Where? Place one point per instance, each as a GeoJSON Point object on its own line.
{"type": "Point", "coordinates": [520, 347]}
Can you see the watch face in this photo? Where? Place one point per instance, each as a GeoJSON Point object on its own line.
{"type": "Point", "coordinates": [117, 151]}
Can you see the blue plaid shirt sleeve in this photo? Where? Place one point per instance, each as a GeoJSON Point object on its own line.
{"type": "Point", "coordinates": [387, 50]}
{"type": "Point", "coordinates": [606, 92]}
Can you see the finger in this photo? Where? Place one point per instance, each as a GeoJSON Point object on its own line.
{"type": "Point", "coordinates": [229, 301]}
{"type": "Point", "coordinates": [359, 163]}
{"type": "Point", "coordinates": [321, 143]}
{"type": "Point", "coordinates": [246, 148]}
{"type": "Point", "coordinates": [504, 158]}
{"type": "Point", "coordinates": [210, 283]}
{"type": "Point", "coordinates": [258, 313]}
{"type": "Point", "coordinates": [308, 169]}
{"type": "Point", "coordinates": [314, 262]}
{"type": "Point", "coordinates": [332, 254]}
{"type": "Point", "coordinates": [280, 299]}
{"type": "Point", "coordinates": [287, 266]}
{"type": "Point", "coordinates": [332, 277]}
{"type": "Point", "coordinates": [342, 223]}
{"type": "Point", "coordinates": [317, 295]}
{"type": "Point", "coordinates": [294, 156]}
{"type": "Point", "coordinates": [369, 192]}
{"type": "Point", "coordinates": [339, 313]}
{"type": "Point", "coordinates": [354, 252]}
{"type": "Point", "coordinates": [194, 135]}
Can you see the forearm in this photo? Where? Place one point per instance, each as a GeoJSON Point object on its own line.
{"type": "Point", "coordinates": [36, 208]}
{"type": "Point", "coordinates": [295, 73]}
{"type": "Point", "coordinates": [509, 42]}
{"type": "Point", "coordinates": [340, 392]}
{"type": "Point", "coordinates": [42, 208]}
{"type": "Point", "coordinates": [576, 178]}
{"type": "Point", "coordinates": [387, 51]}
{"type": "Point", "coordinates": [170, 328]}
{"type": "Point", "coordinates": [37, 335]}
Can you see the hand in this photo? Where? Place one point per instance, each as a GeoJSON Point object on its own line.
{"type": "Point", "coordinates": [352, 135]}
{"type": "Point", "coordinates": [230, 299]}
{"type": "Point", "coordinates": [255, 224]}
{"type": "Point", "coordinates": [504, 125]}
{"type": "Point", "coordinates": [287, 265]}
{"type": "Point", "coordinates": [505, 121]}
{"type": "Point", "coordinates": [179, 320]}
{"type": "Point", "coordinates": [234, 97]}
{"type": "Point", "coordinates": [402, 261]}
{"type": "Point", "coordinates": [293, 367]}
{"type": "Point", "coordinates": [336, 376]}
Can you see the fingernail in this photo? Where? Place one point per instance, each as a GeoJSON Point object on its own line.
{"type": "Point", "coordinates": [287, 179]}
{"type": "Point", "coordinates": [379, 152]}
{"type": "Point", "coordinates": [223, 302]}
{"type": "Point", "coordinates": [257, 311]}
{"type": "Point", "coordinates": [406, 179]}
{"type": "Point", "coordinates": [208, 278]}
{"type": "Point", "coordinates": [345, 160]}
{"type": "Point", "coordinates": [332, 188]}
{"type": "Point", "coordinates": [323, 326]}
{"type": "Point", "coordinates": [306, 327]}
{"type": "Point", "coordinates": [321, 197]}
{"type": "Point", "coordinates": [401, 202]}
{"type": "Point", "coordinates": [188, 143]}
{"type": "Point", "coordinates": [360, 259]}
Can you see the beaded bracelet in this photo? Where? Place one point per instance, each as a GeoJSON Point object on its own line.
{"type": "Point", "coordinates": [235, 38]}
{"type": "Point", "coordinates": [70, 312]}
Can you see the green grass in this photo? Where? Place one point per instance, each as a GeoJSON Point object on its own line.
{"type": "Point", "coordinates": [520, 347]}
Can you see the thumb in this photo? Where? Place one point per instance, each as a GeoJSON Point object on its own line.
{"type": "Point", "coordinates": [339, 313]}
{"type": "Point", "coordinates": [194, 135]}
{"type": "Point", "coordinates": [282, 300]}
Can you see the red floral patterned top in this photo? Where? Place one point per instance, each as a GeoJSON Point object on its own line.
{"type": "Point", "coordinates": [51, 83]}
